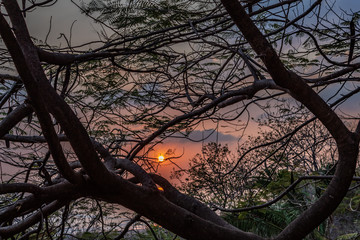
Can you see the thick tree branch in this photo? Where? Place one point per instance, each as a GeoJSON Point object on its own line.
{"type": "Point", "coordinates": [19, 187]}
{"type": "Point", "coordinates": [55, 104]}
{"type": "Point", "coordinates": [9, 231]}
{"type": "Point", "coordinates": [14, 118]}
{"type": "Point", "coordinates": [156, 207]}
{"type": "Point", "coordinates": [125, 164]}
{"type": "Point", "coordinates": [31, 139]}
{"type": "Point", "coordinates": [189, 203]}
{"type": "Point", "coordinates": [347, 142]}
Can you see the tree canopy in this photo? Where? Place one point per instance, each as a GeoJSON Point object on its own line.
{"type": "Point", "coordinates": [78, 121]}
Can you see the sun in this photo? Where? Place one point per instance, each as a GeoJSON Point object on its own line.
{"type": "Point", "coordinates": [161, 158]}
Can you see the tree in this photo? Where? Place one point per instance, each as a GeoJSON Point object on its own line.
{"type": "Point", "coordinates": [264, 174]}
{"type": "Point", "coordinates": [168, 67]}
{"type": "Point", "coordinates": [212, 178]}
{"type": "Point", "coordinates": [205, 180]}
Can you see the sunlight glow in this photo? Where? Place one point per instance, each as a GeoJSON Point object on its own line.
{"type": "Point", "coordinates": [161, 158]}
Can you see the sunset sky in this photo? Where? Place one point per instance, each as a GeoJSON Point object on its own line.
{"type": "Point", "coordinates": [64, 15]}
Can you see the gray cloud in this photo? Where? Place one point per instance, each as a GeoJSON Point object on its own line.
{"type": "Point", "coordinates": [210, 135]}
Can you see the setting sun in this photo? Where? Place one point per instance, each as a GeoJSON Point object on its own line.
{"type": "Point", "coordinates": [161, 158]}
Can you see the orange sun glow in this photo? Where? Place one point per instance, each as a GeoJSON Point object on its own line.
{"type": "Point", "coordinates": [161, 158]}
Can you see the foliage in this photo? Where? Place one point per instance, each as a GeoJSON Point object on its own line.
{"type": "Point", "coordinates": [79, 122]}
{"type": "Point", "coordinates": [205, 178]}
{"type": "Point", "coordinates": [210, 178]}
{"type": "Point", "coordinates": [159, 232]}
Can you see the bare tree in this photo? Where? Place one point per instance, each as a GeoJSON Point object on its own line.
{"type": "Point", "coordinates": [79, 124]}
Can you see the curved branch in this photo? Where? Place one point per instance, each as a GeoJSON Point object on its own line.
{"type": "Point", "coordinates": [188, 203]}
{"type": "Point", "coordinates": [9, 231]}
{"type": "Point", "coordinates": [100, 53]}
{"type": "Point", "coordinates": [61, 190]}
{"type": "Point", "coordinates": [10, 77]}
{"type": "Point", "coordinates": [246, 92]}
{"type": "Point", "coordinates": [31, 139]}
{"type": "Point", "coordinates": [31, 69]}
{"type": "Point", "coordinates": [322, 52]}
{"type": "Point", "coordinates": [347, 142]}
{"type": "Point", "coordinates": [333, 75]}
{"type": "Point", "coordinates": [14, 88]}
{"type": "Point", "coordinates": [151, 229]}
{"type": "Point", "coordinates": [127, 227]}
{"type": "Point", "coordinates": [14, 118]}
{"type": "Point", "coordinates": [301, 16]}
{"type": "Point", "coordinates": [125, 164]}
{"type": "Point", "coordinates": [158, 208]}
{"type": "Point", "coordinates": [20, 187]}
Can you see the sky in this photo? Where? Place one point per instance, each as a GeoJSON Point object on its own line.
{"type": "Point", "coordinates": [64, 16]}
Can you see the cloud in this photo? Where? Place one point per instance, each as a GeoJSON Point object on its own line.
{"type": "Point", "coordinates": [210, 135]}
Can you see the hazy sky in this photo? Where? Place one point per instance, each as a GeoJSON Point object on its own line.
{"type": "Point", "coordinates": [64, 14]}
